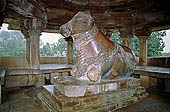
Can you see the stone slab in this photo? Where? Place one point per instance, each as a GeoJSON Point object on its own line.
{"type": "Point", "coordinates": [71, 87]}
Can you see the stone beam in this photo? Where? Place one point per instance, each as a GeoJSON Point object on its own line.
{"type": "Point", "coordinates": [27, 9]}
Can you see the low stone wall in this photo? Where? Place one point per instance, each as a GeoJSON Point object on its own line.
{"type": "Point", "coordinates": [17, 62]}
{"type": "Point", "coordinates": [159, 61]}
{"type": "Point", "coordinates": [21, 62]}
{"type": "Point", "coordinates": [55, 60]}
{"type": "Point", "coordinates": [24, 80]}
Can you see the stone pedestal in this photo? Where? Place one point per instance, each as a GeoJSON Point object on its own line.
{"type": "Point", "coordinates": [74, 96]}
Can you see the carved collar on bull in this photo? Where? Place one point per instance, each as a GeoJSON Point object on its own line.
{"type": "Point", "coordinates": [85, 37]}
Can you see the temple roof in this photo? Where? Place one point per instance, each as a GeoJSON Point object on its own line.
{"type": "Point", "coordinates": [110, 14]}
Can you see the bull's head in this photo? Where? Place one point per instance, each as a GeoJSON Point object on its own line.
{"type": "Point", "coordinates": [80, 23]}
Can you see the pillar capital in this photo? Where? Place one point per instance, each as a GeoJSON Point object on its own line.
{"type": "Point", "coordinates": [143, 32]}
{"type": "Point", "coordinates": [31, 27]}
{"type": "Point", "coordinates": [126, 30]}
{"type": "Point", "coordinates": [126, 35]}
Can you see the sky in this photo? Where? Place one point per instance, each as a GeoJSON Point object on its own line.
{"type": "Point", "coordinates": [49, 37]}
{"type": "Point", "coordinates": [53, 37]}
{"type": "Point", "coordinates": [166, 39]}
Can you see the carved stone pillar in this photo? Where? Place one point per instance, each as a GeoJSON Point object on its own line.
{"type": "Point", "coordinates": [126, 39]}
{"type": "Point", "coordinates": [33, 50]}
{"type": "Point", "coordinates": [126, 34]}
{"type": "Point", "coordinates": [143, 35]}
{"type": "Point", "coordinates": [143, 50]}
{"type": "Point", "coordinates": [32, 31]}
{"type": "Point", "coordinates": [69, 50]}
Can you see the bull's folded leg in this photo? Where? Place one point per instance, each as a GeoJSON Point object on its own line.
{"type": "Point", "coordinates": [94, 73]}
{"type": "Point", "coordinates": [110, 74]}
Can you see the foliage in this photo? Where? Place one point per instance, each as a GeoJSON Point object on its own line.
{"type": "Point", "coordinates": [46, 50]}
{"type": "Point", "coordinates": [155, 43]}
{"type": "Point", "coordinates": [116, 38]}
{"type": "Point", "coordinates": [166, 54]}
{"type": "Point", "coordinates": [56, 49]}
{"type": "Point", "coordinates": [60, 48]}
{"type": "Point", "coordinates": [12, 43]}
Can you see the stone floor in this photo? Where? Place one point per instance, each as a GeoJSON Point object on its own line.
{"type": "Point", "coordinates": [22, 100]}
{"type": "Point", "coordinates": [156, 102]}
{"type": "Point", "coordinates": [25, 100]}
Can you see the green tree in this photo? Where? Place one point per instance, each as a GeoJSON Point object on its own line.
{"type": "Point", "coordinates": [46, 50]}
{"type": "Point", "coordinates": [116, 38]}
{"type": "Point", "coordinates": [166, 54]}
{"type": "Point", "coordinates": [155, 43]}
{"type": "Point", "coordinates": [60, 48]}
{"type": "Point", "coordinates": [12, 43]}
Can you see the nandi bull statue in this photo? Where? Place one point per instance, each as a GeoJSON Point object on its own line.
{"type": "Point", "coordinates": [98, 57]}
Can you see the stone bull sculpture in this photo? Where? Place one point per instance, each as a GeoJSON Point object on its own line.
{"type": "Point", "coordinates": [98, 57]}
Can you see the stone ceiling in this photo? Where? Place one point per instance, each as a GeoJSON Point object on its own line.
{"type": "Point", "coordinates": [110, 14]}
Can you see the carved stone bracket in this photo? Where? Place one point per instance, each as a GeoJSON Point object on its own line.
{"type": "Point", "coordinates": [143, 32]}
{"type": "Point", "coordinates": [31, 27]}
{"type": "Point", "coordinates": [1, 21]}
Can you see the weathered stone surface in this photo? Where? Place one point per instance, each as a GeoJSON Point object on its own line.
{"type": "Point", "coordinates": [24, 80]}
{"type": "Point", "coordinates": [107, 101]}
{"type": "Point", "coordinates": [22, 100]}
{"type": "Point", "coordinates": [71, 87]}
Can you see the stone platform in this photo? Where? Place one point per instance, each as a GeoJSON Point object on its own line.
{"type": "Point", "coordinates": [125, 92]}
{"type": "Point", "coordinates": [72, 87]}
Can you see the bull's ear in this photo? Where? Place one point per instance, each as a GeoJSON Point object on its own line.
{"type": "Point", "coordinates": [88, 12]}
